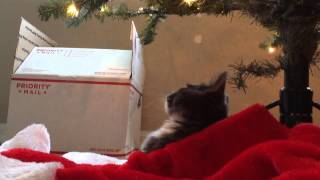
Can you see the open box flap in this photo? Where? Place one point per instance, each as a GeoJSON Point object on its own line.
{"type": "Point", "coordinates": [29, 37]}
{"type": "Point", "coordinates": [138, 68]}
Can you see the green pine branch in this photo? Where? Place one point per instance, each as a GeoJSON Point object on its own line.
{"type": "Point", "coordinates": [258, 69]}
{"type": "Point", "coordinates": [53, 9]}
{"type": "Point", "coordinates": [267, 12]}
{"type": "Point", "coordinates": [262, 69]}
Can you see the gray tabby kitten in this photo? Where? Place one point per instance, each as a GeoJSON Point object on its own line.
{"type": "Point", "coordinates": [190, 110]}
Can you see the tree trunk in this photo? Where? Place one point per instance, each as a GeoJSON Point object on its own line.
{"type": "Point", "coordinates": [299, 39]}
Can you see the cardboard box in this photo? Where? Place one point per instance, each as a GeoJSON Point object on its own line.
{"type": "Point", "coordinates": [89, 99]}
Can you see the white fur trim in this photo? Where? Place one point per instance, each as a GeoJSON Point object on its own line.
{"type": "Point", "coordinates": [12, 169]}
{"type": "Point", "coordinates": [92, 158]}
{"type": "Point", "coordinates": [35, 137]}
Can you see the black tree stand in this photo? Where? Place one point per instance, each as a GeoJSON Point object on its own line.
{"type": "Point", "coordinates": [299, 39]}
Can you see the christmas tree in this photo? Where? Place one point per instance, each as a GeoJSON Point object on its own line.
{"type": "Point", "coordinates": [294, 23]}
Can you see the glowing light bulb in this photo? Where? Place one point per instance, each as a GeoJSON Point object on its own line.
{"type": "Point", "coordinates": [271, 50]}
{"type": "Point", "coordinates": [140, 10]}
{"type": "Point", "coordinates": [72, 10]}
{"type": "Point", "coordinates": [189, 2]}
{"type": "Point", "coordinates": [104, 8]}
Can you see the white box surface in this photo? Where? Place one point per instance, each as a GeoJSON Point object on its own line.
{"type": "Point", "coordinates": [89, 99]}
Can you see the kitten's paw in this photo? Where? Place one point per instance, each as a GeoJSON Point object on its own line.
{"type": "Point", "coordinates": [151, 143]}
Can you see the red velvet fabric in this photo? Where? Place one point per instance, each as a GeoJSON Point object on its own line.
{"type": "Point", "coordinates": [248, 145]}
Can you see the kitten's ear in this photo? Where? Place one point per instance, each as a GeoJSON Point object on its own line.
{"type": "Point", "coordinates": [189, 85]}
{"type": "Point", "coordinates": [218, 84]}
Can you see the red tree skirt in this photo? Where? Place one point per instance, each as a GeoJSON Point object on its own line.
{"type": "Point", "coordinates": [248, 145]}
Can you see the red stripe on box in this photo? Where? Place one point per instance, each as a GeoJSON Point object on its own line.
{"type": "Point", "coordinates": [79, 82]}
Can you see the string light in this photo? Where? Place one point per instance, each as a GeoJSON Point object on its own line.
{"type": "Point", "coordinates": [190, 2]}
{"type": "Point", "coordinates": [271, 50]}
{"type": "Point", "coordinates": [72, 10]}
{"type": "Point", "coordinates": [104, 8]}
{"type": "Point", "coordinates": [141, 9]}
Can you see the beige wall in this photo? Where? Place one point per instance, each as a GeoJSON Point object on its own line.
{"type": "Point", "coordinates": [189, 49]}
